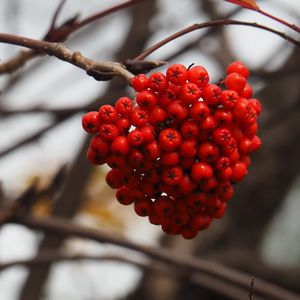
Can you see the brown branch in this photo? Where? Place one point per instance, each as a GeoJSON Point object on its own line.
{"type": "Point", "coordinates": [64, 227]}
{"type": "Point", "coordinates": [219, 22]}
{"type": "Point", "coordinates": [60, 33]}
{"type": "Point", "coordinates": [209, 282]}
{"type": "Point", "coordinates": [61, 52]}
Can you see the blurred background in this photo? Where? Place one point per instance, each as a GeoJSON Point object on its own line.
{"type": "Point", "coordinates": [260, 231]}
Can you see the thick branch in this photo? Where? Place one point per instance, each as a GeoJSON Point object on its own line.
{"type": "Point", "coordinates": [64, 227]}
{"type": "Point", "coordinates": [219, 22]}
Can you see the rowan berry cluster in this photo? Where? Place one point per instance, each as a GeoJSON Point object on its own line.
{"type": "Point", "coordinates": [177, 149]}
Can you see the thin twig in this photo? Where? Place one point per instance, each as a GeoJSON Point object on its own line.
{"type": "Point", "coordinates": [192, 264]}
{"type": "Point", "coordinates": [61, 33]}
{"type": "Point", "coordinates": [219, 22]}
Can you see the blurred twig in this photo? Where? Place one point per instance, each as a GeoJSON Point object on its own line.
{"type": "Point", "coordinates": [202, 280]}
{"type": "Point", "coordinates": [60, 33]}
{"type": "Point", "coordinates": [191, 264]}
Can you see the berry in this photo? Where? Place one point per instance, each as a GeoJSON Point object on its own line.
{"type": "Point", "coordinates": [90, 122]}
{"type": "Point", "coordinates": [169, 139]}
{"type": "Point", "coordinates": [198, 75]}
{"type": "Point", "coordinates": [146, 100]}
{"type": "Point", "coordinates": [201, 171]}
{"type": "Point", "coordinates": [211, 94]}
{"type": "Point", "coordinates": [108, 131]}
{"type": "Point", "coordinates": [238, 67]}
{"type": "Point", "coordinates": [124, 106]}
{"type": "Point", "coordinates": [139, 82]}
{"type": "Point", "coordinates": [190, 93]}
{"type": "Point", "coordinates": [236, 82]}
{"type": "Point", "coordinates": [107, 114]}
{"type": "Point", "coordinates": [177, 74]}
{"type": "Point", "coordinates": [177, 149]}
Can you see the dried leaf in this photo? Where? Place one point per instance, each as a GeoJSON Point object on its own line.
{"type": "Point", "coordinates": [251, 4]}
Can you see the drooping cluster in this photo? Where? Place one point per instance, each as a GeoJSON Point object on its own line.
{"type": "Point", "coordinates": [176, 150]}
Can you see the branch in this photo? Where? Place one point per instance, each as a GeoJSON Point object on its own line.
{"type": "Point", "coordinates": [61, 52]}
{"type": "Point", "coordinates": [250, 4]}
{"type": "Point", "coordinates": [60, 33]}
{"type": "Point", "coordinates": [219, 22]}
{"type": "Point", "coordinates": [64, 227]}
{"type": "Point", "coordinates": [202, 280]}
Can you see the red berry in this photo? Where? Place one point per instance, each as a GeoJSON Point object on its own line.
{"type": "Point", "coordinates": [169, 139]}
{"type": "Point", "coordinates": [236, 82]}
{"type": "Point", "coordinates": [139, 82]}
{"type": "Point", "coordinates": [99, 145]}
{"type": "Point", "coordinates": [256, 143]}
{"type": "Point", "coordinates": [157, 82]}
{"type": "Point", "coordinates": [208, 152]}
{"type": "Point", "coordinates": [172, 175]}
{"type": "Point", "coordinates": [188, 148]}
{"type": "Point", "coordinates": [201, 171]}
{"type": "Point", "coordinates": [163, 206]}
{"type": "Point", "coordinates": [178, 111]}
{"type": "Point", "coordinates": [199, 111]}
{"type": "Point", "coordinates": [157, 116]}
{"type": "Point", "coordinates": [186, 186]}
{"type": "Point", "coordinates": [138, 117]}
{"type": "Point", "coordinates": [247, 91]}
{"type": "Point", "coordinates": [135, 158]}
{"type": "Point", "coordinates": [148, 133]}
{"type": "Point", "coordinates": [177, 74]}
{"type": "Point", "coordinates": [146, 100]}
{"type": "Point", "coordinates": [107, 114]}
{"type": "Point", "coordinates": [90, 122]}
{"type": "Point", "coordinates": [124, 106]}
{"type": "Point", "coordinates": [190, 93]}
{"type": "Point", "coordinates": [135, 138]}
{"type": "Point", "coordinates": [123, 196]}
{"type": "Point", "coordinates": [123, 125]}
{"type": "Point", "coordinates": [189, 129]}
{"type": "Point", "coordinates": [221, 136]}
{"type": "Point", "coordinates": [198, 75]}
{"type": "Point", "coordinates": [120, 145]}
{"type": "Point", "coordinates": [114, 179]}
{"type": "Point", "coordinates": [229, 98]}
{"type": "Point", "coordinates": [239, 171]}
{"type": "Point", "coordinates": [207, 124]}
{"type": "Point", "coordinates": [223, 116]}
{"type": "Point", "coordinates": [170, 158]}
{"type": "Point", "coordinates": [238, 67]}
{"type": "Point", "coordinates": [152, 150]}
{"type": "Point", "coordinates": [166, 98]}
{"type": "Point", "coordinates": [211, 94]}
{"type": "Point", "coordinates": [200, 221]}
{"type": "Point", "coordinates": [143, 208]}
{"type": "Point", "coordinates": [94, 157]}
{"type": "Point", "coordinates": [108, 131]}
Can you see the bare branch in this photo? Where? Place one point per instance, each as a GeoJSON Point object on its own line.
{"type": "Point", "coordinates": [63, 53]}
{"type": "Point", "coordinates": [61, 33]}
{"type": "Point", "coordinates": [191, 264]}
{"type": "Point", "coordinates": [219, 22]}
